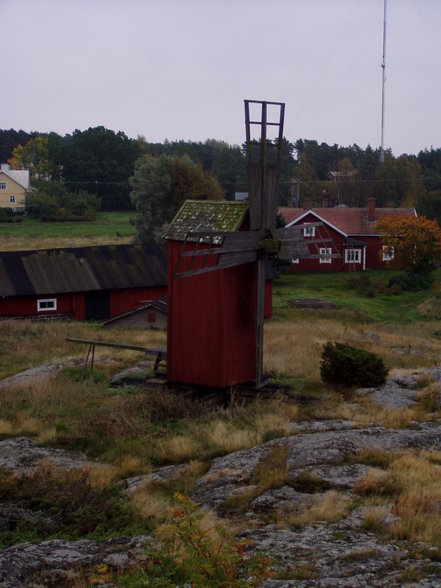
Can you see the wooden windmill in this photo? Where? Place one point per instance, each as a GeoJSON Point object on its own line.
{"type": "Point", "coordinates": [227, 260]}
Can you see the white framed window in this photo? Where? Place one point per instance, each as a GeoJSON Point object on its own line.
{"type": "Point", "coordinates": [296, 260]}
{"type": "Point", "coordinates": [2, 185]}
{"type": "Point", "coordinates": [325, 254]}
{"type": "Point", "coordinates": [12, 199]}
{"type": "Point", "coordinates": [388, 253]}
{"type": "Point", "coordinates": [308, 231]}
{"type": "Point", "coordinates": [45, 304]}
{"type": "Point", "coordinates": [353, 256]}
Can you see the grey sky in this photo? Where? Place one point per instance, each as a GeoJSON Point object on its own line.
{"type": "Point", "coordinates": [180, 69]}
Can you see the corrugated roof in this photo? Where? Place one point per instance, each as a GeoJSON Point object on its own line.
{"type": "Point", "coordinates": [81, 269]}
{"type": "Point", "coordinates": [207, 215]}
{"type": "Point", "coordinates": [350, 221]}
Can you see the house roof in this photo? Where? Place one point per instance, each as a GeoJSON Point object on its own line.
{"type": "Point", "coordinates": [82, 269]}
{"type": "Point", "coordinates": [206, 215]}
{"type": "Point", "coordinates": [20, 176]}
{"type": "Point", "coordinates": [349, 221]}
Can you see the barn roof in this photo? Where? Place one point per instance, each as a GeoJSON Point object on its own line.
{"type": "Point", "coordinates": [81, 269]}
{"type": "Point", "coordinates": [349, 221]}
{"type": "Point", "coordinates": [206, 215]}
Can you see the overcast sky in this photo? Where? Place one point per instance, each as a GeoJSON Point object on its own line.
{"type": "Point", "coordinates": [180, 69]}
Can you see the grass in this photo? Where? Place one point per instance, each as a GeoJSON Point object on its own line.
{"type": "Point", "coordinates": [131, 432]}
{"type": "Point", "coordinates": [355, 304]}
{"type": "Point", "coordinates": [109, 228]}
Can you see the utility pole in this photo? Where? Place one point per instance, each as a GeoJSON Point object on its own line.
{"type": "Point", "coordinates": [383, 67]}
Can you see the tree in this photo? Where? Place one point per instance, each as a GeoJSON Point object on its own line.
{"type": "Point", "coordinates": [160, 186]}
{"type": "Point", "coordinates": [51, 201]}
{"type": "Point", "coordinates": [100, 161]}
{"type": "Point", "coordinates": [429, 205]}
{"type": "Point", "coordinates": [415, 242]}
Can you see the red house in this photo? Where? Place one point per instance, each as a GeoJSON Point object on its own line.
{"type": "Point", "coordinates": [211, 328]}
{"type": "Point", "coordinates": [353, 242]}
{"type": "Point", "coordinates": [84, 283]}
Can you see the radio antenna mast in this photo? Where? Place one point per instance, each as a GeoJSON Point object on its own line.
{"type": "Point", "coordinates": [383, 67]}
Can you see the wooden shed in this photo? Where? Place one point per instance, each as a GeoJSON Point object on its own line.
{"type": "Point", "coordinates": [211, 337]}
{"type": "Point", "coordinates": [151, 315]}
{"type": "Point", "coordinates": [83, 283]}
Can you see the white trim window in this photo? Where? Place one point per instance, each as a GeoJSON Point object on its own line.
{"type": "Point", "coordinates": [2, 185]}
{"type": "Point", "coordinates": [46, 304]}
{"type": "Point", "coordinates": [388, 253]}
{"type": "Point", "coordinates": [352, 255]}
{"type": "Point", "coordinates": [325, 255]}
{"type": "Point", "coordinates": [11, 199]}
{"type": "Point", "coordinates": [308, 231]}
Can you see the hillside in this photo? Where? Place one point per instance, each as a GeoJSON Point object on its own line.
{"type": "Point", "coordinates": [324, 487]}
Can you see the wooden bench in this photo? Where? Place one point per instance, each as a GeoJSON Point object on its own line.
{"type": "Point", "coordinates": [158, 354]}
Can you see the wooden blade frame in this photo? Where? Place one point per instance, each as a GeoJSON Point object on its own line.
{"type": "Point", "coordinates": [263, 165]}
{"type": "Point", "coordinates": [216, 251]}
{"type": "Point", "coordinates": [263, 170]}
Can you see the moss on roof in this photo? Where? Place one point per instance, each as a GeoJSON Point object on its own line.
{"type": "Point", "coordinates": [206, 215]}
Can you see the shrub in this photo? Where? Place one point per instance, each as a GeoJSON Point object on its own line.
{"type": "Point", "coordinates": [348, 366]}
{"type": "Point", "coordinates": [191, 554]}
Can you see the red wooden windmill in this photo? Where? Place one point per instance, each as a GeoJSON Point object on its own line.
{"type": "Point", "coordinates": [217, 254]}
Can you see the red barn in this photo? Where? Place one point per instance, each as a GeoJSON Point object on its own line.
{"type": "Point", "coordinates": [83, 283]}
{"type": "Point", "coordinates": [353, 239]}
{"type": "Point", "coordinates": [211, 328]}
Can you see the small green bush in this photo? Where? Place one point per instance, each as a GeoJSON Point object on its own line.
{"type": "Point", "coordinates": [347, 366]}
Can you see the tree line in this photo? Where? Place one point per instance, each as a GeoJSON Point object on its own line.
{"type": "Point", "coordinates": [101, 162]}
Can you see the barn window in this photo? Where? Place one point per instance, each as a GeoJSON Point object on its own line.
{"type": "Point", "coordinates": [151, 317]}
{"type": "Point", "coordinates": [46, 304]}
{"type": "Point", "coordinates": [325, 255]}
{"type": "Point", "coordinates": [12, 199]}
{"type": "Point", "coordinates": [353, 256]}
{"type": "Point", "coordinates": [308, 231]}
{"type": "Point", "coordinates": [388, 253]}
{"type": "Point", "coordinates": [2, 185]}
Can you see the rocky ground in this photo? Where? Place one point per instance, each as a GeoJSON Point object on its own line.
{"type": "Point", "coordinates": [341, 553]}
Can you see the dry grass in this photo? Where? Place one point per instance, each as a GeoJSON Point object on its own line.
{"type": "Point", "coordinates": [153, 499]}
{"type": "Point", "coordinates": [372, 482]}
{"type": "Point", "coordinates": [27, 344]}
{"type": "Point", "coordinates": [329, 508]}
{"type": "Point", "coordinates": [413, 482]}
{"type": "Point", "coordinates": [399, 345]}
{"type": "Point", "coordinates": [272, 470]}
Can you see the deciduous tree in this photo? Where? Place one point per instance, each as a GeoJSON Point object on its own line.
{"type": "Point", "coordinates": [160, 186]}
{"type": "Point", "coordinates": [415, 241]}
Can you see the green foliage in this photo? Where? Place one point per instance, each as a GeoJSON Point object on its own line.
{"type": "Point", "coordinates": [161, 185]}
{"type": "Point", "coordinates": [191, 554]}
{"type": "Point", "coordinates": [347, 366]}
{"type": "Point", "coordinates": [65, 503]}
{"type": "Point", "coordinates": [412, 281]}
{"type": "Point", "coordinates": [52, 202]}
{"type": "Point", "coordinates": [8, 216]}
{"type": "Point", "coordinates": [100, 161]}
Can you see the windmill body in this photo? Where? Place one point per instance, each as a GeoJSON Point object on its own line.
{"type": "Point", "coordinates": [211, 333]}
{"type": "Point", "coordinates": [217, 258]}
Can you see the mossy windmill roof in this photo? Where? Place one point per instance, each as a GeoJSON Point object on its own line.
{"type": "Point", "coordinates": [206, 215]}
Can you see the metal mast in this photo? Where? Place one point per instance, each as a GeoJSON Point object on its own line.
{"type": "Point", "coordinates": [383, 67]}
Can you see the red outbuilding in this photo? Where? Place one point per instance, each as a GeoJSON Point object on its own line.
{"type": "Point", "coordinates": [82, 283]}
{"type": "Point", "coordinates": [211, 329]}
{"type": "Point", "coordinates": [353, 244]}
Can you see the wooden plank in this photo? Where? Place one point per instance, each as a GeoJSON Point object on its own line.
{"type": "Point", "coordinates": [148, 351]}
